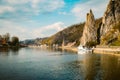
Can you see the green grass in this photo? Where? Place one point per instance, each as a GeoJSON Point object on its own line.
{"type": "Point", "coordinates": [115, 43]}
{"type": "Point", "coordinates": [117, 26]}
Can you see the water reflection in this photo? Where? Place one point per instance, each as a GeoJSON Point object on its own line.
{"type": "Point", "coordinates": [102, 67]}
{"type": "Point", "coordinates": [8, 51]}
{"type": "Point", "coordinates": [96, 67]}
{"type": "Point", "coordinates": [110, 66]}
{"type": "Point", "coordinates": [52, 64]}
{"type": "Point", "coordinates": [4, 51]}
{"type": "Point", "coordinates": [91, 66]}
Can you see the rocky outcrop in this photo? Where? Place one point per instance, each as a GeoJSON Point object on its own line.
{"type": "Point", "coordinates": [110, 19]}
{"type": "Point", "coordinates": [90, 31]}
{"type": "Point", "coordinates": [71, 34]}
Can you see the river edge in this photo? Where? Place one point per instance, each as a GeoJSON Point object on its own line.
{"type": "Point", "coordinates": [74, 49]}
{"type": "Point", "coordinates": [96, 50]}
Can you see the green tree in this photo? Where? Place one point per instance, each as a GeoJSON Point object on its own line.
{"type": "Point", "coordinates": [15, 41]}
{"type": "Point", "coordinates": [0, 37]}
{"type": "Point", "coordinates": [91, 44]}
{"type": "Point", "coordinates": [6, 37]}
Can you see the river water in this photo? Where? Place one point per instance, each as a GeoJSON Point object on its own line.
{"type": "Point", "coordinates": [49, 64]}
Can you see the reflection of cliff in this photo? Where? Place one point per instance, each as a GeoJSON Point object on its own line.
{"type": "Point", "coordinates": [91, 66]}
{"type": "Point", "coordinates": [110, 66]}
{"type": "Point", "coordinates": [101, 67]}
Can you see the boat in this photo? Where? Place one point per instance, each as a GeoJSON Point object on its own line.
{"type": "Point", "coordinates": [83, 49]}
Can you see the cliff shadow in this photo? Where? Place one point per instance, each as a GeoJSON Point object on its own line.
{"type": "Point", "coordinates": [98, 33]}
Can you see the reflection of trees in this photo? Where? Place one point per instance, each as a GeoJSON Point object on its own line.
{"type": "Point", "coordinates": [15, 50]}
{"type": "Point", "coordinates": [91, 66]}
{"type": "Point", "coordinates": [7, 51]}
{"type": "Point", "coordinates": [4, 51]}
{"type": "Point", "coordinates": [111, 67]}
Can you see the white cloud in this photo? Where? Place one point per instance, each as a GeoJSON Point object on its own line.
{"type": "Point", "coordinates": [98, 6]}
{"type": "Point", "coordinates": [63, 13]}
{"type": "Point", "coordinates": [35, 3]}
{"type": "Point", "coordinates": [23, 33]}
{"type": "Point", "coordinates": [14, 29]}
{"type": "Point", "coordinates": [53, 5]}
{"type": "Point", "coordinates": [48, 30]}
{"type": "Point", "coordinates": [16, 1]}
{"type": "Point", "coordinates": [6, 9]}
{"type": "Point", "coordinates": [34, 6]}
{"type": "Point", "coordinates": [41, 6]}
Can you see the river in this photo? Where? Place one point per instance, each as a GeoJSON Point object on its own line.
{"type": "Point", "coordinates": [49, 64]}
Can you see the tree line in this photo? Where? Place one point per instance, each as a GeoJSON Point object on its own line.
{"type": "Point", "coordinates": [7, 41]}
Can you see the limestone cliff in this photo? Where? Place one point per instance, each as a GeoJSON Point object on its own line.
{"type": "Point", "coordinates": [71, 34]}
{"type": "Point", "coordinates": [110, 20]}
{"type": "Point", "coordinates": [90, 31]}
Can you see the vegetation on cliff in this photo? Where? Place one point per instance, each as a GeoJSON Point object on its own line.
{"type": "Point", "coordinates": [102, 31]}
{"type": "Point", "coordinates": [71, 34]}
{"type": "Point", "coordinates": [110, 29]}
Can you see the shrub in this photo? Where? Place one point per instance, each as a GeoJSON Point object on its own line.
{"type": "Point", "coordinates": [91, 44]}
{"type": "Point", "coordinates": [116, 43]}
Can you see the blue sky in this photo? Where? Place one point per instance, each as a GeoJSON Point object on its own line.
{"type": "Point", "coordinates": [29, 19]}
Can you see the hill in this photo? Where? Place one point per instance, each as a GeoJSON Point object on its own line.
{"type": "Point", "coordinates": [70, 34]}
{"type": "Point", "coordinates": [103, 31]}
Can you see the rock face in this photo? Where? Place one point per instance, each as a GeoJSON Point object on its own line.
{"type": "Point", "coordinates": [110, 19]}
{"type": "Point", "coordinates": [90, 31]}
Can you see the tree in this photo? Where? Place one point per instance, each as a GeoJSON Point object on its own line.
{"type": "Point", "coordinates": [0, 39]}
{"type": "Point", "coordinates": [6, 37]}
{"type": "Point", "coordinates": [0, 36]}
{"type": "Point", "coordinates": [91, 44]}
{"type": "Point", "coordinates": [15, 41]}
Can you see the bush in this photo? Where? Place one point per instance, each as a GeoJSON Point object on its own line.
{"type": "Point", "coordinates": [91, 44]}
{"type": "Point", "coordinates": [117, 26]}
{"type": "Point", "coordinates": [115, 43]}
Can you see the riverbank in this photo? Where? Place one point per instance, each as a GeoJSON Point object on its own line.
{"type": "Point", "coordinates": [107, 50]}
{"type": "Point", "coordinates": [74, 49]}
{"type": "Point", "coordinates": [12, 46]}
{"type": "Point", "coordinates": [100, 50]}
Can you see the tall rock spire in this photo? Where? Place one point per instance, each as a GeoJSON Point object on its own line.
{"type": "Point", "coordinates": [90, 31]}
